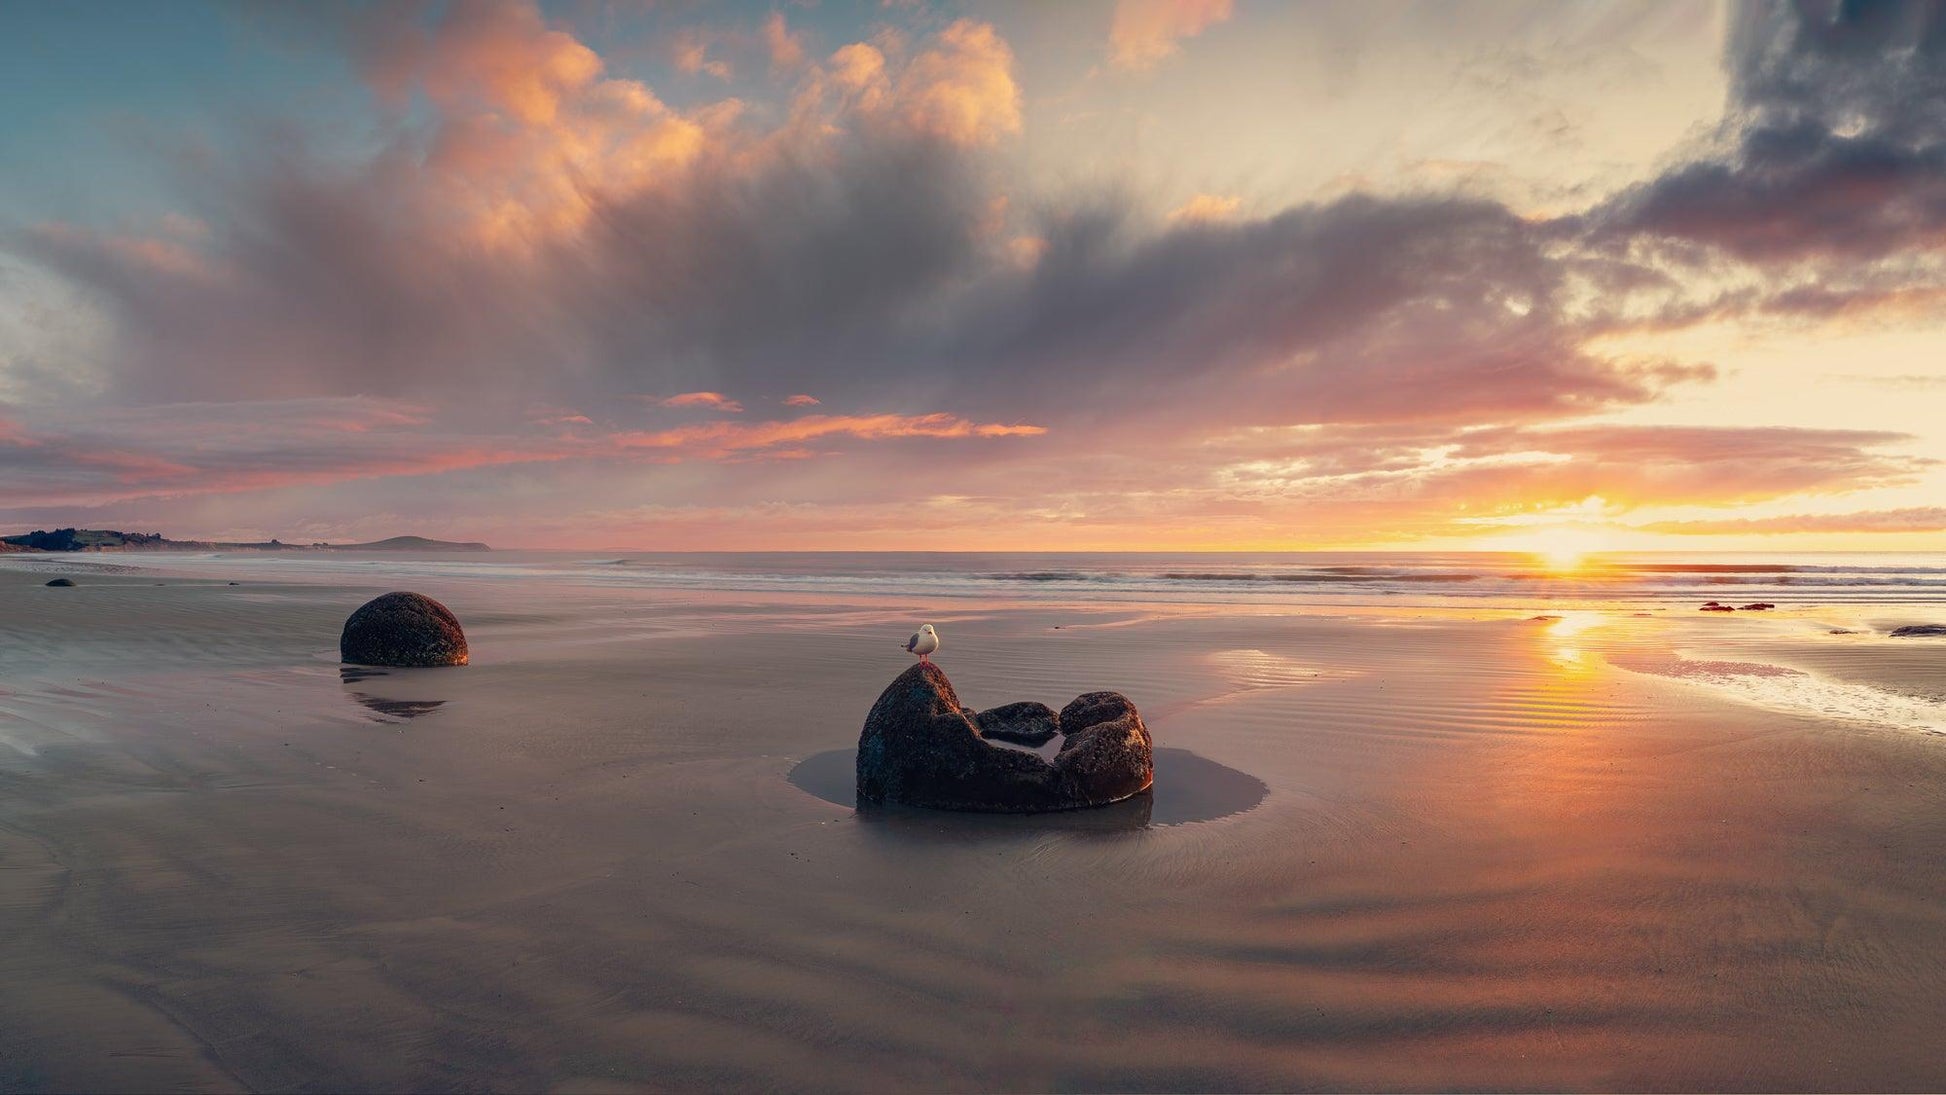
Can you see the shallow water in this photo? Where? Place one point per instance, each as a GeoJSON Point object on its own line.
{"type": "Point", "coordinates": [1189, 789]}
{"type": "Point", "coordinates": [1413, 845]}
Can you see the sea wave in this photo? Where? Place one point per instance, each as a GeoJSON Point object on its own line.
{"type": "Point", "coordinates": [1324, 578]}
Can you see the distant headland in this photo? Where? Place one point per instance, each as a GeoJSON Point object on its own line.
{"type": "Point", "coordinates": [89, 539]}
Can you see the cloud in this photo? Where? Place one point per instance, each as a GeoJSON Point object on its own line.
{"type": "Point", "coordinates": [958, 88]}
{"type": "Point", "coordinates": [218, 448]}
{"type": "Point", "coordinates": [1207, 207]}
{"type": "Point", "coordinates": [185, 450]}
{"type": "Point", "coordinates": [1904, 382]}
{"type": "Point", "coordinates": [862, 256]}
{"type": "Point", "coordinates": [1145, 32]}
{"type": "Point", "coordinates": [1494, 472]}
{"type": "Point", "coordinates": [1358, 310]}
{"type": "Point", "coordinates": [713, 400]}
{"type": "Point", "coordinates": [714, 439]}
{"type": "Point", "coordinates": [1633, 466]}
{"type": "Point", "coordinates": [689, 52]}
{"type": "Point", "coordinates": [1834, 146]}
{"type": "Point", "coordinates": [855, 75]}
{"type": "Point", "coordinates": [962, 88]}
{"type": "Point", "coordinates": [495, 55]}
{"type": "Point", "coordinates": [786, 47]}
{"type": "Point", "coordinates": [528, 230]}
{"type": "Point", "coordinates": [1911, 519]}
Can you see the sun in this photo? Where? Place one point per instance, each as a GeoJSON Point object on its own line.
{"type": "Point", "coordinates": [1563, 559]}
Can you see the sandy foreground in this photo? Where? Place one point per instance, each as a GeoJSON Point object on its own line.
{"type": "Point", "coordinates": [1385, 850]}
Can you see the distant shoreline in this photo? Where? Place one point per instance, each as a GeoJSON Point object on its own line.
{"type": "Point", "coordinates": [72, 540]}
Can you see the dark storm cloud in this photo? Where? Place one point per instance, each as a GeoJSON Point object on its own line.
{"type": "Point", "coordinates": [1361, 310]}
{"type": "Point", "coordinates": [861, 272]}
{"type": "Point", "coordinates": [1834, 146]}
{"type": "Point", "coordinates": [866, 250]}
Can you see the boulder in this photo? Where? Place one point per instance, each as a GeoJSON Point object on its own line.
{"type": "Point", "coordinates": [1918, 631]}
{"type": "Point", "coordinates": [403, 629]}
{"type": "Point", "coordinates": [1760, 606]}
{"type": "Point", "coordinates": [1023, 723]}
{"type": "Point", "coordinates": [919, 747]}
{"type": "Point", "coordinates": [62, 583]}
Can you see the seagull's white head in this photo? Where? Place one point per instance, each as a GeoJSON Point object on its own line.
{"type": "Point", "coordinates": [927, 628]}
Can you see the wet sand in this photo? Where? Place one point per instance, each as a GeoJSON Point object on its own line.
{"type": "Point", "coordinates": [1400, 850]}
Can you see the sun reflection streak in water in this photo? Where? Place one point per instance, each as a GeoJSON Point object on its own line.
{"type": "Point", "coordinates": [1563, 634]}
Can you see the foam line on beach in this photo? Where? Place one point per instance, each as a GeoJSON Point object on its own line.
{"type": "Point", "coordinates": [1796, 692]}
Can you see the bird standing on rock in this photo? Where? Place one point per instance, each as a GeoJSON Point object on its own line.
{"type": "Point", "coordinates": [923, 641]}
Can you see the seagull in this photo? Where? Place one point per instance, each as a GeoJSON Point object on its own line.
{"type": "Point", "coordinates": [923, 641]}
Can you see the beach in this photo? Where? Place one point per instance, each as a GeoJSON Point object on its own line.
{"type": "Point", "coordinates": [1414, 840]}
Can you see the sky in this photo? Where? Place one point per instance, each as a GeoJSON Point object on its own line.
{"type": "Point", "coordinates": [1100, 275]}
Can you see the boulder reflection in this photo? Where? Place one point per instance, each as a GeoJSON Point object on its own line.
{"type": "Point", "coordinates": [382, 708]}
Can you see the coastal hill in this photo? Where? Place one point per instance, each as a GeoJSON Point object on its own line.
{"type": "Point", "coordinates": [408, 543]}
{"type": "Point", "coordinates": [87, 539]}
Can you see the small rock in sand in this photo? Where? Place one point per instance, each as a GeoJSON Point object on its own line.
{"type": "Point", "coordinates": [62, 583]}
{"type": "Point", "coordinates": [1023, 723]}
{"type": "Point", "coordinates": [1760, 606]}
{"type": "Point", "coordinates": [1919, 631]}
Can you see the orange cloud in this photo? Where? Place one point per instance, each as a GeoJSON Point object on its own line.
{"type": "Point", "coordinates": [786, 48]}
{"type": "Point", "coordinates": [858, 70]}
{"type": "Point", "coordinates": [962, 89]}
{"type": "Point", "coordinates": [1144, 32]}
{"type": "Point", "coordinates": [722, 438]}
{"type": "Point", "coordinates": [198, 449]}
{"type": "Point", "coordinates": [690, 54]}
{"type": "Point", "coordinates": [529, 131]}
{"type": "Point", "coordinates": [1207, 208]}
{"type": "Point", "coordinates": [498, 55]}
{"type": "Point", "coordinates": [715, 401]}
{"type": "Point", "coordinates": [802, 401]}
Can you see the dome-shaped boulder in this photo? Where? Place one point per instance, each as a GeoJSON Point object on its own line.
{"type": "Point", "coordinates": [403, 630]}
{"type": "Point", "coordinates": [62, 583]}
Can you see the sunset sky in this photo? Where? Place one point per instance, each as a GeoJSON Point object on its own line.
{"type": "Point", "coordinates": [1148, 275]}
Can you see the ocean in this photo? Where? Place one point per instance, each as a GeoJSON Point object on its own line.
{"type": "Point", "coordinates": [1457, 579]}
